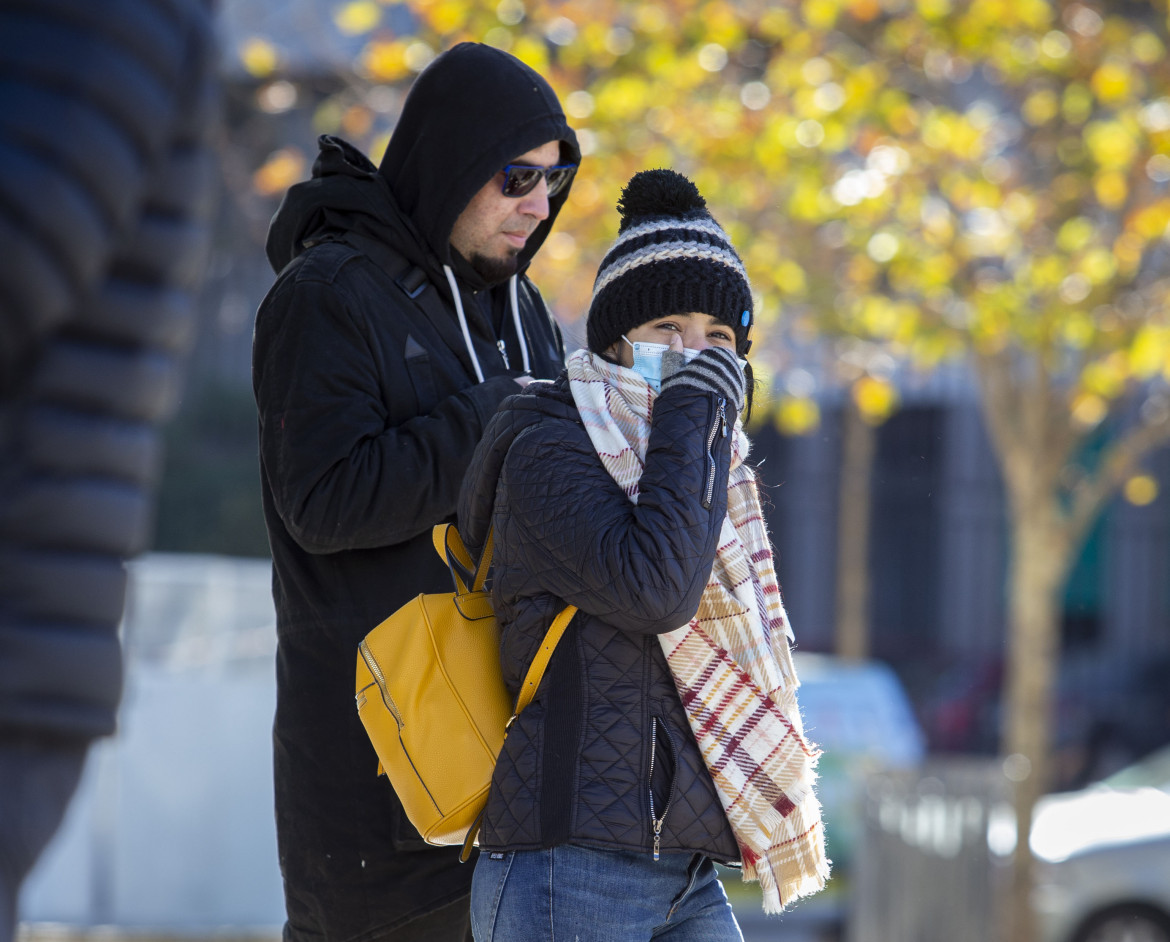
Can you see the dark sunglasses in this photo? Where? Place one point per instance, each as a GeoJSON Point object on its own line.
{"type": "Point", "coordinates": [521, 179]}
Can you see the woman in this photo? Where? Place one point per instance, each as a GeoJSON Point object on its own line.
{"type": "Point", "coordinates": [665, 735]}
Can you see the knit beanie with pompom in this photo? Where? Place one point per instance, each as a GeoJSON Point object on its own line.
{"type": "Point", "coordinates": [671, 257]}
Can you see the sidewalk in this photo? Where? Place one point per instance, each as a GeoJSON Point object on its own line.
{"type": "Point", "coordinates": [792, 927]}
{"type": "Point", "coordinates": [755, 928]}
{"type": "Point", "coordinates": [817, 919]}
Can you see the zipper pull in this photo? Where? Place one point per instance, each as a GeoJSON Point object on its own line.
{"type": "Point", "coordinates": [658, 838]}
{"type": "Point", "coordinates": [723, 415]}
{"type": "Point", "coordinates": [504, 354]}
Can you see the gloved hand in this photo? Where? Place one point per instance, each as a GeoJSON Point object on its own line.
{"type": "Point", "coordinates": [715, 370]}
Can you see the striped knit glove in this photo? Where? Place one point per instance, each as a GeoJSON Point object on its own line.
{"type": "Point", "coordinates": [715, 370]}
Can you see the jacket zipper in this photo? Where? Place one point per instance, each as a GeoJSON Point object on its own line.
{"type": "Point", "coordinates": [504, 354]}
{"type": "Point", "coordinates": [719, 423]}
{"type": "Point", "coordinates": [656, 822]}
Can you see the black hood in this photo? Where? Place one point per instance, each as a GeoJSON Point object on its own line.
{"type": "Point", "coordinates": [469, 113]}
{"type": "Point", "coordinates": [345, 193]}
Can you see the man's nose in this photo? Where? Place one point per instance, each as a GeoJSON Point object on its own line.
{"type": "Point", "coordinates": [536, 202]}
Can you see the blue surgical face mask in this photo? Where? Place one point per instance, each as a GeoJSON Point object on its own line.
{"type": "Point", "coordinates": [648, 360]}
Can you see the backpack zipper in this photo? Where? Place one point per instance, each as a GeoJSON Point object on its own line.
{"type": "Point", "coordinates": [380, 679]}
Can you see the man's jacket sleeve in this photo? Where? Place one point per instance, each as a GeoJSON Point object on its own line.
{"type": "Point", "coordinates": [344, 473]}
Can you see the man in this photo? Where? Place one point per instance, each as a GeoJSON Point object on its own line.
{"type": "Point", "coordinates": [106, 188]}
{"type": "Point", "coordinates": [401, 317]}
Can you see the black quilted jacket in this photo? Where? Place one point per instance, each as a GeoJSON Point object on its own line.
{"type": "Point", "coordinates": [604, 754]}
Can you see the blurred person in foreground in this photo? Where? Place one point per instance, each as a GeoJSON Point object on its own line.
{"type": "Point", "coordinates": [665, 736]}
{"type": "Point", "coordinates": [106, 185]}
{"type": "Point", "coordinates": [400, 319]}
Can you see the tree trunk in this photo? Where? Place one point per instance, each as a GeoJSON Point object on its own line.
{"type": "Point", "coordinates": [854, 509]}
{"type": "Point", "coordinates": [1039, 565]}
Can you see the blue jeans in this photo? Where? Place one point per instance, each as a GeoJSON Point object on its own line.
{"type": "Point", "coordinates": [578, 894]}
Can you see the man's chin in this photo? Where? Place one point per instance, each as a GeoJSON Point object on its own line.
{"type": "Point", "coordinates": [496, 270]}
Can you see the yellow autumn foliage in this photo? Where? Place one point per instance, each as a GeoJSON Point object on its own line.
{"type": "Point", "coordinates": [797, 416]}
{"type": "Point", "coordinates": [1149, 353]}
{"type": "Point", "coordinates": [357, 17]}
{"type": "Point", "coordinates": [826, 136]}
{"type": "Point", "coordinates": [259, 57]}
{"type": "Point", "coordinates": [281, 170]}
{"type": "Point", "coordinates": [1140, 490]}
{"type": "Point", "coordinates": [876, 399]}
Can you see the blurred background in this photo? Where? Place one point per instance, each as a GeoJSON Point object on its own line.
{"type": "Point", "coordinates": [956, 217]}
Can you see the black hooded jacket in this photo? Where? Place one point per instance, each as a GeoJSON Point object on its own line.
{"type": "Point", "coordinates": [369, 410]}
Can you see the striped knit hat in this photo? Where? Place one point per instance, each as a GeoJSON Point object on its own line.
{"type": "Point", "coordinates": [670, 257]}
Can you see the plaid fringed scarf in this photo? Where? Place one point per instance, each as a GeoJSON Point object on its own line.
{"type": "Point", "coordinates": [732, 663]}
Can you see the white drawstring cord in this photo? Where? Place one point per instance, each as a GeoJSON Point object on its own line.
{"type": "Point", "coordinates": [463, 321]}
{"type": "Point", "coordinates": [517, 322]}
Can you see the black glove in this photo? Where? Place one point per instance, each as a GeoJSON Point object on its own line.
{"type": "Point", "coordinates": [715, 370]}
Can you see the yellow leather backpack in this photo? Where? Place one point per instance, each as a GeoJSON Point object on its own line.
{"type": "Point", "coordinates": [432, 698]}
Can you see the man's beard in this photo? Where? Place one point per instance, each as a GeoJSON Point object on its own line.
{"type": "Point", "coordinates": [494, 271]}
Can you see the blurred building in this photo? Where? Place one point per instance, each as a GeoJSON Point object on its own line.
{"type": "Point", "coordinates": [938, 561]}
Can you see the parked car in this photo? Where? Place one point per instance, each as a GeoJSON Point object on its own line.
{"type": "Point", "coordinates": [859, 714]}
{"type": "Point", "coordinates": [1107, 711]}
{"type": "Point", "coordinates": [1103, 858]}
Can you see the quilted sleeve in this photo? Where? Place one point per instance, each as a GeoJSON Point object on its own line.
{"type": "Point", "coordinates": [565, 528]}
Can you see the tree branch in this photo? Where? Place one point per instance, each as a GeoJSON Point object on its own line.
{"type": "Point", "coordinates": [1118, 462]}
{"type": "Point", "coordinates": [1000, 396]}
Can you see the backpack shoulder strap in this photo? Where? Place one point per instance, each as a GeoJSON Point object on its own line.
{"type": "Point", "coordinates": [467, 574]}
{"type": "Point", "coordinates": [539, 663]}
{"type": "Point", "coordinates": [449, 546]}
{"type": "Point", "coordinates": [414, 282]}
